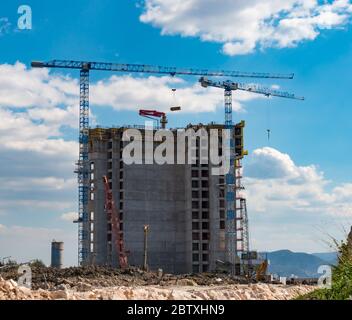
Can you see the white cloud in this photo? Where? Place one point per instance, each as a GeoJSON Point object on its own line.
{"type": "Point", "coordinates": [296, 236]}
{"type": "Point", "coordinates": [242, 26]}
{"type": "Point", "coordinates": [69, 216]}
{"type": "Point", "coordinates": [130, 93]}
{"type": "Point", "coordinates": [55, 116]}
{"type": "Point", "coordinates": [238, 48]}
{"type": "Point", "coordinates": [19, 132]}
{"type": "Point", "coordinates": [275, 184]}
{"type": "Point", "coordinates": [17, 184]}
{"type": "Point", "coordinates": [291, 206]}
{"type": "Point", "coordinates": [269, 163]}
{"type": "Point", "coordinates": [50, 100]}
{"type": "Point", "coordinates": [22, 87]}
{"type": "Point", "coordinates": [36, 161]}
{"type": "Point", "coordinates": [39, 205]}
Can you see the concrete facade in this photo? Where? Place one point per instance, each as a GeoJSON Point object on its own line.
{"type": "Point", "coordinates": [183, 205]}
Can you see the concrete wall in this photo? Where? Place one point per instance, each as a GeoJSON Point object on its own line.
{"type": "Point", "coordinates": [155, 195]}
{"type": "Point", "coordinates": [99, 159]}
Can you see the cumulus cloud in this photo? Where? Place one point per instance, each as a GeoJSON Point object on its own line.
{"type": "Point", "coordinates": [119, 92]}
{"type": "Point", "coordinates": [69, 216]}
{"type": "Point", "coordinates": [52, 99]}
{"type": "Point", "coordinates": [36, 205]}
{"type": "Point", "coordinates": [153, 92]}
{"type": "Point", "coordinates": [37, 161]}
{"type": "Point", "coordinates": [275, 184]}
{"type": "Point", "coordinates": [269, 163]}
{"type": "Point", "coordinates": [41, 183]}
{"type": "Point", "coordinates": [242, 26]}
{"type": "Point", "coordinates": [18, 131]}
{"type": "Point", "coordinates": [293, 206]}
{"type": "Point", "coordinates": [21, 87]}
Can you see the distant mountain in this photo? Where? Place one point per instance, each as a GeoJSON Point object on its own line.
{"type": "Point", "coordinates": [285, 263]}
{"type": "Point", "coordinates": [330, 257]}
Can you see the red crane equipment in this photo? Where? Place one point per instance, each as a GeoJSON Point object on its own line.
{"type": "Point", "coordinates": [113, 215]}
{"type": "Point", "coordinates": [152, 114]}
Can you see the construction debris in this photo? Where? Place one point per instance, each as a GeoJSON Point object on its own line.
{"type": "Point", "coordinates": [100, 283]}
{"type": "Point", "coordinates": [85, 278]}
{"type": "Point", "coordinates": [9, 290]}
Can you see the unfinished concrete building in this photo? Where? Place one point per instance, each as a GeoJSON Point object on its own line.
{"type": "Point", "coordinates": [184, 206]}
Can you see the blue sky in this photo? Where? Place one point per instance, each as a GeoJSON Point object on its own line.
{"type": "Point", "coordinates": [310, 139]}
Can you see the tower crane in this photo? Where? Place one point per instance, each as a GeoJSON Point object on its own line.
{"type": "Point", "coordinates": [232, 237]}
{"type": "Point", "coordinates": [83, 169]}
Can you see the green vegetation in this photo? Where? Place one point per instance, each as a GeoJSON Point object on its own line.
{"type": "Point", "coordinates": [8, 263]}
{"type": "Point", "coordinates": [37, 264]}
{"type": "Point", "coordinates": [341, 277]}
{"type": "Point", "coordinates": [14, 264]}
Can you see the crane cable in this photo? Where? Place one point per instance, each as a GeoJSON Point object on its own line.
{"type": "Point", "coordinates": [269, 124]}
{"type": "Point", "coordinates": [174, 90]}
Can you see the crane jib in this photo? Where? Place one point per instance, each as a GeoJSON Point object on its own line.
{"type": "Point", "coordinates": [142, 68]}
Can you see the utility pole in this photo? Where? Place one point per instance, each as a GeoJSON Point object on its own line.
{"type": "Point", "coordinates": [145, 262]}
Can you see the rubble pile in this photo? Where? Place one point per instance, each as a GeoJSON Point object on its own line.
{"type": "Point", "coordinates": [86, 278]}
{"type": "Point", "coordinates": [99, 283]}
{"type": "Point", "coordinates": [228, 292]}
{"type": "Point", "coordinates": [9, 290]}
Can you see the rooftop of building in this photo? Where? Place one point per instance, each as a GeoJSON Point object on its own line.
{"type": "Point", "coordinates": [100, 132]}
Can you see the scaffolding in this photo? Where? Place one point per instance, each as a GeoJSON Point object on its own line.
{"type": "Point", "coordinates": [83, 169]}
{"type": "Point", "coordinates": [237, 230]}
{"type": "Point", "coordinates": [242, 223]}
{"type": "Point", "coordinates": [230, 196]}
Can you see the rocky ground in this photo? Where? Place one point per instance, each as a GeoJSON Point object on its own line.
{"type": "Point", "coordinates": [86, 278]}
{"type": "Point", "coordinates": [133, 284]}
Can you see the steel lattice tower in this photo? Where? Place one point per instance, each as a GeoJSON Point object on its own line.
{"type": "Point", "coordinates": [230, 194]}
{"type": "Point", "coordinates": [83, 166]}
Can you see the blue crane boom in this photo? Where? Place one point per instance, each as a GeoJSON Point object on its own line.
{"type": "Point", "coordinates": [254, 88]}
{"type": "Point", "coordinates": [83, 169]}
{"type": "Point", "coordinates": [142, 68]}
